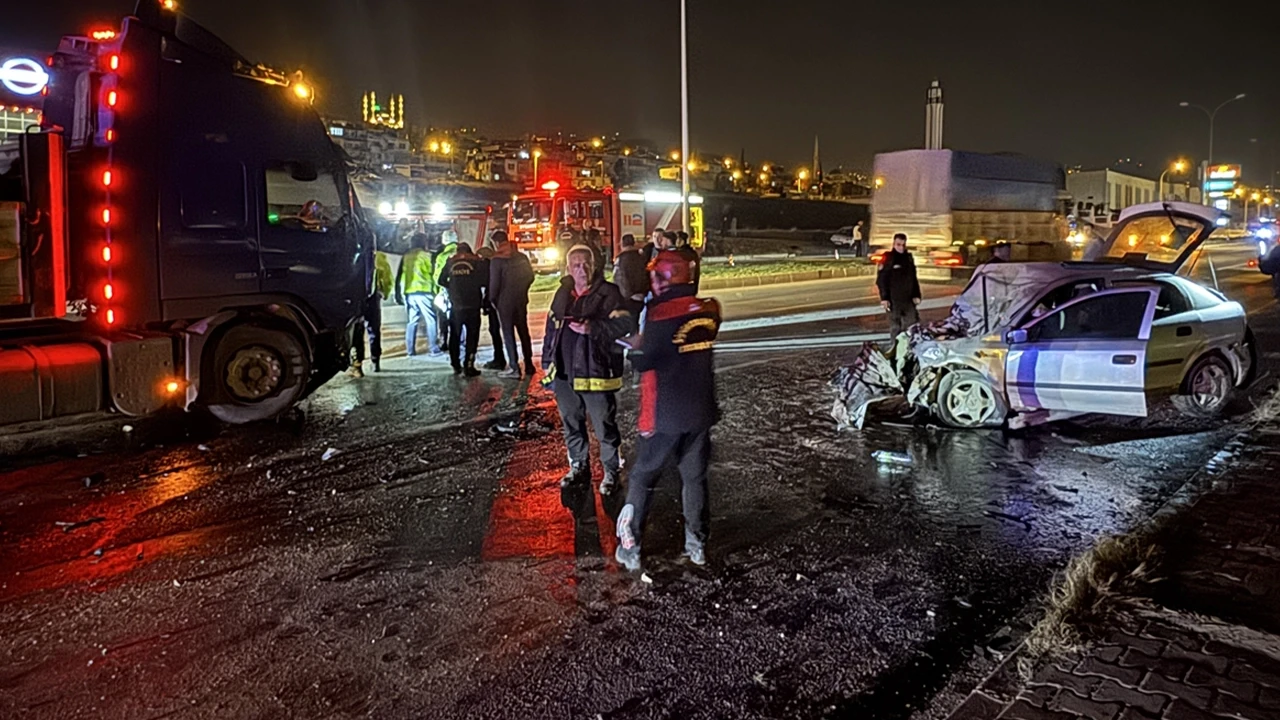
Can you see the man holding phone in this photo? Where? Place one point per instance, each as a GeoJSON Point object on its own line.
{"type": "Point", "coordinates": [583, 365]}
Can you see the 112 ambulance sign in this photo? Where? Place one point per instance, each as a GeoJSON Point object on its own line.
{"type": "Point", "coordinates": [23, 76]}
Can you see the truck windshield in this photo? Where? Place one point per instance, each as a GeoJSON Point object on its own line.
{"type": "Point", "coordinates": [528, 211]}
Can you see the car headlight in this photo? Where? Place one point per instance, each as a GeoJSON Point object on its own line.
{"type": "Point", "coordinates": [551, 254]}
{"type": "Point", "coordinates": [932, 354]}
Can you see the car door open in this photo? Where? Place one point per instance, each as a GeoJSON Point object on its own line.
{"type": "Point", "coordinates": [1088, 356]}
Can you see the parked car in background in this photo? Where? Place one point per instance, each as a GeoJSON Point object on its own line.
{"type": "Point", "coordinates": [843, 236]}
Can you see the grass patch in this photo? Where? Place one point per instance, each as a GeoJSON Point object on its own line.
{"type": "Point", "coordinates": [1092, 584]}
{"type": "Point", "coordinates": [548, 283]}
{"type": "Point", "coordinates": [723, 270]}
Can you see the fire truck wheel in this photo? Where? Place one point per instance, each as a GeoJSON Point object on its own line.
{"type": "Point", "coordinates": [254, 373]}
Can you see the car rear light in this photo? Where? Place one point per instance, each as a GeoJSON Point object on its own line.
{"type": "Point", "coordinates": [1253, 263]}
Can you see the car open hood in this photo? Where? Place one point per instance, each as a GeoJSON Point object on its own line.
{"type": "Point", "coordinates": [1132, 243]}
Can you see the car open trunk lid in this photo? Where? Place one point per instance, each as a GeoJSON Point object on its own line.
{"type": "Point", "coordinates": [1157, 236]}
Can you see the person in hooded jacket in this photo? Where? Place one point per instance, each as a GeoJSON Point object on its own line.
{"type": "Point", "coordinates": [583, 365]}
{"type": "Point", "coordinates": [678, 405]}
{"type": "Point", "coordinates": [899, 287]}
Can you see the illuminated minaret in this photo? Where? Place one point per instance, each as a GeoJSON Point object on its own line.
{"type": "Point", "coordinates": [933, 117]}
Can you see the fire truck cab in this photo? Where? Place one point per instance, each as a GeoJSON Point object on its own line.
{"type": "Point", "coordinates": [546, 223]}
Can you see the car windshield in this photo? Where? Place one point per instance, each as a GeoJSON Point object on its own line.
{"type": "Point", "coordinates": [1000, 293]}
{"type": "Point", "coordinates": [1156, 238]}
{"type": "Point", "coordinates": [527, 211]}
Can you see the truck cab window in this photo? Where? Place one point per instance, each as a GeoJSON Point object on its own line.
{"type": "Point", "coordinates": [213, 195]}
{"type": "Point", "coordinates": [302, 198]}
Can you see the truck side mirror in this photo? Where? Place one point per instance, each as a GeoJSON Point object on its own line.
{"type": "Point", "coordinates": [1016, 337]}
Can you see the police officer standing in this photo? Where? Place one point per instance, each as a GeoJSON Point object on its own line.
{"type": "Point", "coordinates": [464, 276]}
{"type": "Point", "coordinates": [677, 405]}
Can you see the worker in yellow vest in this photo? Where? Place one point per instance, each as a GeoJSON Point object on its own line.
{"type": "Point", "coordinates": [415, 288]}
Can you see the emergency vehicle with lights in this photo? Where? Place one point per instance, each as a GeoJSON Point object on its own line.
{"type": "Point", "coordinates": [544, 223]}
{"type": "Point", "coordinates": [183, 234]}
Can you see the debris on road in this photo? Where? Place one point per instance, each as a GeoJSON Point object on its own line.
{"type": "Point", "coordinates": [330, 454]}
{"type": "Point", "coordinates": [96, 478]}
{"type": "Point", "coordinates": [69, 526]}
{"type": "Point", "coordinates": [884, 457]}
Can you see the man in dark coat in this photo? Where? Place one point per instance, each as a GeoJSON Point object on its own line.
{"type": "Point", "coordinates": [899, 287]}
{"type": "Point", "coordinates": [510, 276]}
{"type": "Point", "coordinates": [464, 277]}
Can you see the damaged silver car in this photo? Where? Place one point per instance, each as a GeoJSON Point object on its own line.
{"type": "Point", "coordinates": [1027, 343]}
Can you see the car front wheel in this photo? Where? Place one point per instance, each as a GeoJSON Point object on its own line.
{"type": "Point", "coordinates": [1207, 388]}
{"type": "Point", "coordinates": [968, 400]}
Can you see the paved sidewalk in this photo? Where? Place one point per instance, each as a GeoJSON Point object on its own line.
{"type": "Point", "coordinates": [1207, 646]}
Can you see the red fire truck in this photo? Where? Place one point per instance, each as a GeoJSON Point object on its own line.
{"type": "Point", "coordinates": [546, 222]}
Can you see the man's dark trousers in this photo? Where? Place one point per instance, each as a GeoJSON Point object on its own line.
{"type": "Point", "coordinates": [692, 453]}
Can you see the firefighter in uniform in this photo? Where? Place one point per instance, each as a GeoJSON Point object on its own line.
{"type": "Point", "coordinates": [583, 365]}
{"type": "Point", "coordinates": [677, 405]}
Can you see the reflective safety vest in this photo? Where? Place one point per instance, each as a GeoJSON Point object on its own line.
{"type": "Point", "coordinates": [418, 273]}
{"type": "Point", "coordinates": [382, 277]}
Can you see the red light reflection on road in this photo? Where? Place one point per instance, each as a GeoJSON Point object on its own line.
{"type": "Point", "coordinates": [127, 525]}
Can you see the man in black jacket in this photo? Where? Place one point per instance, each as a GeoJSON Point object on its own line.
{"type": "Point", "coordinates": [899, 287]}
{"type": "Point", "coordinates": [677, 405]}
{"type": "Point", "coordinates": [631, 275]}
{"type": "Point", "coordinates": [583, 364]}
{"type": "Point", "coordinates": [464, 278]}
{"type": "Point", "coordinates": [510, 277]}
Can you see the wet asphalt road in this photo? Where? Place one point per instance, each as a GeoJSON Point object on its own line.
{"type": "Point", "coordinates": [432, 567]}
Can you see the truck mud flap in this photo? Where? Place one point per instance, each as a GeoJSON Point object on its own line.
{"type": "Point", "coordinates": [140, 373]}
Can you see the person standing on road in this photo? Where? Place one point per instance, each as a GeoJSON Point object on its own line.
{"type": "Point", "coordinates": [650, 249]}
{"type": "Point", "coordinates": [381, 286]}
{"type": "Point", "coordinates": [631, 276]}
{"type": "Point", "coordinates": [583, 364]}
{"type": "Point", "coordinates": [463, 277]}
{"type": "Point", "coordinates": [510, 277]}
{"type": "Point", "coordinates": [448, 246]}
{"type": "Point", "coordinates": [1270, 265]}
{"type": "Point", "coordinates": [415, 288]}
{"type": "Point", "coordinates": [899, 287]}
{"type": "Point", "coordinates": [690, 254]}
{"type": "Point", "coordinates": [677, 406]}
{"type": "Point", "coordinates": [499, 360]}
{"type": "Point", "coordinates": [856, 241]}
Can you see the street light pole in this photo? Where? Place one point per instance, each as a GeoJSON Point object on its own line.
{"type": "Point", "coordinates": [1178, 166]}
{"type": "Point", "coordinates": [1212, 114]}
{"type": "Point", "coordinates": [684, 118]}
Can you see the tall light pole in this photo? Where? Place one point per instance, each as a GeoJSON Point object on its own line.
{"type": "Point", "coordinates": [536, 154]}
{"type": "Point", "coordinates": [684, 118]}
{"type": "Point", "coordinates": [1178, 167]}
{"type": "Point", "coordinates": [1212, 114]}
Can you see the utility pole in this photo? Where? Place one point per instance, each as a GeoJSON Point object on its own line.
{"type": "Point", "coordinates": [684, 118]}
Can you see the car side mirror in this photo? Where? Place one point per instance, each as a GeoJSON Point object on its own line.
{"type": "Point", "coordinates": [1016, 337]}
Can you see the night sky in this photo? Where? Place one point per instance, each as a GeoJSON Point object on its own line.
{"type": "Point", "coordinates": [1078, 83]}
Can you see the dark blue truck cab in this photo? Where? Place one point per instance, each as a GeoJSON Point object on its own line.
{"type": "Point", "coordinates": [186, 233]}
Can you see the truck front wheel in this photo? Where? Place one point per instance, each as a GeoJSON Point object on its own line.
{"type": "Point", "coordinates": [254, 373]}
